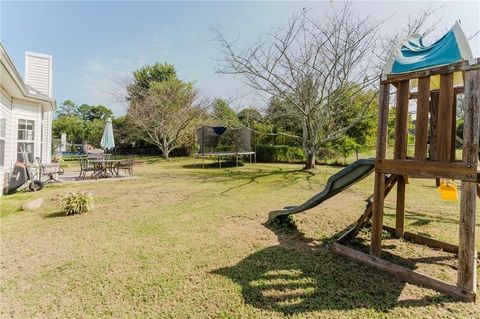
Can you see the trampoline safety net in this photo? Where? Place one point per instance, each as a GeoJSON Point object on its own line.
{"type": "Point", "coordinates": [218, 139]}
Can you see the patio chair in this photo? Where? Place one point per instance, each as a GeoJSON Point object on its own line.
{"type": "Point", "coordinates": [85, 168]}
{"type": "Point", "coordinates": [51, 170]}
{"type": "Point", "coordinates": [127, 165]}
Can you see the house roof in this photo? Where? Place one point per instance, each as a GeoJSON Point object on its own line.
{"type": "Point", "coordinates": [16, 86]}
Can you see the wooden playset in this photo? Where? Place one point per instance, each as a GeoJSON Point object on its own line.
{"type": "Point", "coordinates": [434, 158]}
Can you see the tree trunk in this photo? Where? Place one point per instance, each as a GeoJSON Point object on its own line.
{"type": "Point", "coordinates": [310, 162]}
{"type": "Point", "coordinates": [166, 150]}
{"type": "Point", "coordinates": [308, 141]}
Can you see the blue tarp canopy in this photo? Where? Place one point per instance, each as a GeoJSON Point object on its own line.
{"type": "Point", "coordinates": [411, 54]}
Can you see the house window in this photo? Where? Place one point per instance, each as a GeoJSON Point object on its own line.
{"type": "Point", "coordinates": [25, 139]}
{"type": "Point", "coordinates": [3, 129]}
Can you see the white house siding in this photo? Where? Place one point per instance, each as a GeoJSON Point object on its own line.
{"type": "Point", "coordinates": [27, 111]}
{"type": "Point", "coordinates": [5, 113]}
{"type": "Point", "coordinates": [13, 110]}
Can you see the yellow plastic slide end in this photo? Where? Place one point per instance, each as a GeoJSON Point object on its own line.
{"type": "Point", "coordinates": [448, 190]}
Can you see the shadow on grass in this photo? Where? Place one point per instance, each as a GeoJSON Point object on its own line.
{"type": "Point", "coordinates": [56, 214]}
{"type": "Point", "coordinates": [213, 165]}
{"type": "Point", "coordinates": [245, 177]}
{"type": "Point", "coordinates": [421, 219]}
{"type": "Point", "coordinates": [289, 177]}
{"type": "Point", "coordinates": [299, 276]}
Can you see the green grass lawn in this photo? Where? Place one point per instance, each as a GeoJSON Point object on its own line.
{"type": "Point", "coordinates": [184, 242]}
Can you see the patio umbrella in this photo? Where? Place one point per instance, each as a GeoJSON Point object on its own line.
{"type": "Point", "coordinates": [107, 139]}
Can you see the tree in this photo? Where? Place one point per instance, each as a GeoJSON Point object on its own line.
{"type": "Point", "coordinates": [93, 131]}
{"type": "Point", "coordinates": [250, 117]}
{"type": "Point", "coordinates": [126, 135]}
{"type": "Point", "coordinates": [67, 108]}
{"type": "Point", "coordinates": [285, 123]}
{"type": "Point", "coordinates": [165, 113]}
{"type": "Point", "coordinates": [94, 112]}
{"type": "Point", "coordinates": [361, 136]}
{"type": "Point", "coordinates": [72, 125]}
{"type": "Point", "coordinates": [157, 72]}
{"type": "Point", "coordinates": [85, 122]}
{"type": "Point", "coordinates": [223, 114]}
{"type": "Point", "coordinates": [310, 64]}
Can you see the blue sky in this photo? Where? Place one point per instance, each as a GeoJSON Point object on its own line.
{"type": "Point", "coordinates": [97, 45]}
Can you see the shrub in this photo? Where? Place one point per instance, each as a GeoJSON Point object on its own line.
{"type": "Point", "coordinates": [77, 203]}
{"type": "Point", "coordinates": [279, 153]}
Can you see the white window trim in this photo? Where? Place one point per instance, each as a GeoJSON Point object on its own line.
{"type": "Point", "coordinates": [32, 141]}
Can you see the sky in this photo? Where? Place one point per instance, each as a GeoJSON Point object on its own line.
{"type": "Point", "coordinates": [97, 45]}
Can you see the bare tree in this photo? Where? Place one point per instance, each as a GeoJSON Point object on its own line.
{"type": "Point", "coordinates": [165, 113]}
{"type": "Point", "coordinates": [317, 66]}
{"type": "Point", "coordinates": [421, 23]}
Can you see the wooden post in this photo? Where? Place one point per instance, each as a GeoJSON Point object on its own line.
{"type": "Point", "coordinates": [444, 125]}
{"type": "Point", "coordinates": [434, 98]}
{"type": "Point", "coordinates": [432, 152]}
{"type": "Point", "coordinates": [421, 126]}
{"type": "Point", "coordinates": [400, 208]}
{"type": "Point", "coordinates": [401, 120]}
{"type": "Point", "coordinates": [453, 131]}
{"type": "Point", "coordinates": [466, 276]}
{"type": "Point", "coordinates": [400, 151]}
{"type": "Point", "coordinates": [379, 188]}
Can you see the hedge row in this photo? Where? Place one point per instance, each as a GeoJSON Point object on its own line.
{"type": "Point", "coordinates": [279, 153]}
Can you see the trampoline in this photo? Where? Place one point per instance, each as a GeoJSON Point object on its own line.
{"type": "Point", "coordinates": [219, 143]}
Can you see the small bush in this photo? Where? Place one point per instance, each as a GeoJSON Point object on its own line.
{"type": "Point", "coordinates": [77, 203]}
{"type": "Point", "coordinates": [279, 153]}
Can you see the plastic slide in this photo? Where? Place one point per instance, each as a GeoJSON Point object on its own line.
{"type": "Point", "coordinates": [336, 183]}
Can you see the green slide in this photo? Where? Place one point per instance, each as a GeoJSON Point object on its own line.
{"type": "Point", "coordinates": [336, 183]}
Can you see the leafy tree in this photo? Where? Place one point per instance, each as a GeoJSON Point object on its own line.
{"type": "Point", "coordinates": [67, 108]}
{"type": "Point", "coordinates": [122, 132]}
{"type": "Point", "coordinates": [93, 112]}
{"type": "Point", "coordinates": [223, 114]}
{"type": "Point", "coordinates": [280, 115]}
{"type": "Point", "coordinates": [157, 72]}
{"type": "Point", "coordinates": [250, 117]}
{"type": "Point", "coordinates": [165, 113]}
{"type": "Point", "coordinates": [126, 134]}
{"type": "Point", "coordinates": [84, 122]}
{"type": "Point", "coordinates": [361, 136]}
{"type": "Point", "coordinates": [93, 131]}
{"type": "Point", "coordinates": [72, 125]}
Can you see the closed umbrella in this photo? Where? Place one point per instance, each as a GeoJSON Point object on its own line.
{"type": "Point", "coordinates": [108, 142]}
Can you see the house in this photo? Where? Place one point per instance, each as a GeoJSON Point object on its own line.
{"type": "Point", "coordinates": [26, 107]}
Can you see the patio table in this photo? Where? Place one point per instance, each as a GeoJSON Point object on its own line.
{"type": "Point", "coordinates": [104, 168]}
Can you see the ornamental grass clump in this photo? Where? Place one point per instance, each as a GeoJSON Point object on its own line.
{"type": "Point", "coordinates": [77, 203]}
